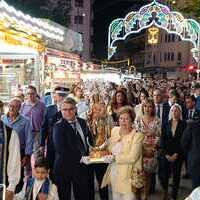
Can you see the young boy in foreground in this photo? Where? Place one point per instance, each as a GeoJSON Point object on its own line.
{"type": "Point", "coordinates": [38, 187]}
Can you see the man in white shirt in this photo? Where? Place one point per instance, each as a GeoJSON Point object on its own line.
{"type": "Point", "coordinates": [10, 160]}
{"type": "Point", "coordinates": [39, 187]}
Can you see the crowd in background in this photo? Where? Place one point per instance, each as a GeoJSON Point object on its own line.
{"type": "Point", "coordinates": [147, 130]}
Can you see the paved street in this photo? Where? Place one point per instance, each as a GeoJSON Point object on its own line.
{"type": "Point", "coordinates": [185, 189]}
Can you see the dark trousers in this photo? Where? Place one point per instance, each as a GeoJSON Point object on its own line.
{"type": "Point", "coordinates": [51, 158]}
{"type": "Point", "coordinates": [152, 183]}
{"type": "Point", "coordinates": [78, 181]}
{"type": "Point", "coordinates": [99, 170]}
{"type": "Point", "coordinates": [195, 176]}
{"type": "Point", "coordinates": [166, 169]}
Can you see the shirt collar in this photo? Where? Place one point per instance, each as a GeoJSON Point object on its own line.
{"type": "Point", "coordinates": [7, 120]}
{"type": "Point", "coordinates": [71, 122]}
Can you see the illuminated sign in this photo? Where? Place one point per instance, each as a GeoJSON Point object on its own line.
{"type": "Point", "coordinates": [20, 41]}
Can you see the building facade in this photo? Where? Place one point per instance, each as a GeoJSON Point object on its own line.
{"type": "Point", "coordinates": [170, 53]}
{"type": "Point", "coordinates": [81, 17]}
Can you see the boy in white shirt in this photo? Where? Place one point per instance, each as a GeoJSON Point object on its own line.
{"type": "Point", "coordinates": [39, 187]}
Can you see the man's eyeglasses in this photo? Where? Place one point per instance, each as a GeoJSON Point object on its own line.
{"type": "Point", "coordinates": [68, 109]}
{"type": "Point", "coordinates": [30, 93]}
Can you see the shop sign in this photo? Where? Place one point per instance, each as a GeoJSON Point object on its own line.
{"type": "Point", "coordinates": [20, 41]}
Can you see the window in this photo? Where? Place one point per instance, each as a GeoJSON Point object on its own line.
{"type": "Point", "coordinates": [169, 38]}
{"type": "Point", "coordinates": [172, 56]}
{"type": "Point", "coordinates": [78, 19]}
{"type": "Point", "coordinates": [160, 56]}
{"type": "Point", "coordinates": [179, 56]}
{"type": "Point", "coordinates": [173, 38]}
{"type": "Point", "coordinates": [79, 3]}
{"type": "Point", "coordinates": [154, 59]}
{"type": "Point", "coordinates": [68, 18]}
{"type": "Point", "coordinates": [148, 59]}
{"type": "Point", "coordinates": [165, 57]}
{"type": "Point", "coordinates": [168, 56]}
{"type": "Point", "coordinates": [165, 37]}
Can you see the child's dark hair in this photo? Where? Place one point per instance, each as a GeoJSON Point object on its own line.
{"type": "Point", "coordinates": [42, 162]}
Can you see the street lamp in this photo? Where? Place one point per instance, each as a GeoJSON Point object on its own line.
{"type": "Point", "coordinates": [196, 56]}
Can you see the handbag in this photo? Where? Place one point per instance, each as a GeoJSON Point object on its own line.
{"type": "Point", "coordinates": [150, 164]}
{"type": "Point", "coordinates": [137, 179]}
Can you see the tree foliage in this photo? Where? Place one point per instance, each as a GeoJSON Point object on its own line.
{"type": "Point", "coordinates": [190, 8]}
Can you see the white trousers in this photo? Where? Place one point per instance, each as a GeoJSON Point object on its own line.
{"type": "Point", "coordinates": [118, 196]}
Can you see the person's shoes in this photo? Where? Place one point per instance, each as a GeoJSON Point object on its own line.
{"type": "Point", "coordinates": [186, 176]}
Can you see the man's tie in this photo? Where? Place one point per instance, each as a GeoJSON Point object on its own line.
{"type": "Point", "coordinates": [79, 140]}
{"type": "Point", "coordinates": [190, 114]}
{"type": "Point", "coordinates": [158, 111]}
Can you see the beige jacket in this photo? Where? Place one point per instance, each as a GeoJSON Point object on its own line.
{"type": "Point", "coordinates": [128, 159]}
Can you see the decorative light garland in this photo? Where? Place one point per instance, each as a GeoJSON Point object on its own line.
{"type": "Point", "coordinates": [114, 62]}
{"type": "Point", "coordinates": [30, 24]}
{"type": "Point", "coordinates": [153, 14]}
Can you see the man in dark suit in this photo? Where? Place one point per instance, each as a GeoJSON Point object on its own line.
{"type": "Point", "coordinates": [162, 108]}
{"type": "Point", "coordinates": [70, 136]}
{"type": "Point", "coordinates": [191, 114]}
{"type": "Point", "coordinates": [52, 115]}
{"type": "Point", "coordinates": [162, 112]}
{"type": "Point", "coordinates": [191, 145]}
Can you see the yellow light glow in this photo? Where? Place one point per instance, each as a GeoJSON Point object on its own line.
{"type": "Point", "coordinates": [153, 34]}
{"type": "Point", "coordinates": [17, 40]}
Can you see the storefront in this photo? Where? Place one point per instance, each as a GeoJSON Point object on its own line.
{"type": "Point", "coordinates": [61, 68]}
{"type": "Point", "coordinates": [22, 49]}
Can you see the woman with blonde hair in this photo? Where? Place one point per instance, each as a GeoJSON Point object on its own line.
{"type": "Point", "coordinates": [171, 151]}
{"type": "Point", "coordinates": [150, 126]}
{"type": "Point", "coordinates": [125, 170]}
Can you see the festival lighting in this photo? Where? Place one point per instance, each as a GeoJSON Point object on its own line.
{"type": "Point", "coordinates": [153, 34]}
{"type": "Point", "coordinates": [191, 68]}
{"type": "Point", "coordinates": [153, 14]}
{"type": "Point", "coordinates": [31, 25]}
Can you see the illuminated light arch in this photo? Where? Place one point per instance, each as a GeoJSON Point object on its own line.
{"type": "Point", "coordinates": [151, 14]}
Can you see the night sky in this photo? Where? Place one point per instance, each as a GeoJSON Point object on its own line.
{"type": "Point", "coordinates": [104, 13]}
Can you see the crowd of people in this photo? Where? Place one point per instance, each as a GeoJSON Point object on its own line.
{"type": "Point", "coordinates": [142, 131]}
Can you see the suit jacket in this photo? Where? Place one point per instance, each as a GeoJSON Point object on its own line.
{"type": "Point", "coordinates": [129, 158]}
{"type": "Point", "coordinates": [196, 114]}
{"type": "Point", "coordinates": [165, 115]}
{"type": "Point", "coordinates": [52, 194]}
{"type": "Point", "coordinates": [52, 115]}
{"type": "Point", "coordinates": [170, 143]}
{"type": "Point", "coordinates": [191, 144]}
{"type": "Point", "coordinates": [68, 154]}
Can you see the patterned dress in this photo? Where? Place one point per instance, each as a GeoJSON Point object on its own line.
{"type": "Point", "coordinates": [152, 132]}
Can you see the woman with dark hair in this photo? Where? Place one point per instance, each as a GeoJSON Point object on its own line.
{"type": "Point", "coordinates": [142, 97]}
{"type": "Point", "coordinates": [150, 126]}
{"type": "Point", "coordinates": [119, 100]}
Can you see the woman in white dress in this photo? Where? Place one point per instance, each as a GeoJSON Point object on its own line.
{"type": "Point", "coordinates": [126, 147]}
